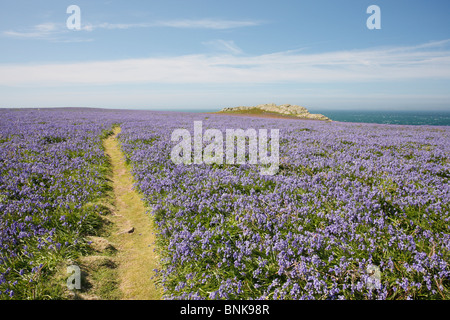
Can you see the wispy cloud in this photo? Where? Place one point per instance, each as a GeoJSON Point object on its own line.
{"type": "Point", "coordinates": [40, 31]}
{"type": "Point", "coordinates": [59, 32]}
{"type": "Point", "coordinates": [220, 45]}
{"type": "Point", "coordinates": [113, 26]}
{"type": "Point", "coordinates": [208, 24]}
{"type": "Point", "coordinates": [182, 24]}
{"type": "Point", "coordinates": [48, 31]}
{"type": "Point", "coordinates": [424, 61]}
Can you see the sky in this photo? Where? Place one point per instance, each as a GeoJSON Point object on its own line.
{"type": "Point", "coordinates": [207, 55]}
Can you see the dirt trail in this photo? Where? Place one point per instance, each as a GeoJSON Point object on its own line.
{"type": "Point", "coordinates": [134, 235]}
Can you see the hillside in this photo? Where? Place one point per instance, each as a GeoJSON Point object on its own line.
{"type": "Point", "coordinates": [284, 109]}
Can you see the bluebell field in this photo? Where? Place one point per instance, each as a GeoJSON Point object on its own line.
{"type": "Point", "coordinates": [346, 197]}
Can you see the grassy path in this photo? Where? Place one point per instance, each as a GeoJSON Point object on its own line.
{"type": "Point", "coordinates": [134, 235]}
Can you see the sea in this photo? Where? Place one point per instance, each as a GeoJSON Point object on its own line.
{"type": "Point", "coordinates": [434, 118]}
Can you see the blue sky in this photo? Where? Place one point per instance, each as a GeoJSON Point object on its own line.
{"type": "Point", "coordinates": [213, 54]}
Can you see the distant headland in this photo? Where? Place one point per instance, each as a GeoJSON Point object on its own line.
{"type": "Point", "coordinates": [271, 109]}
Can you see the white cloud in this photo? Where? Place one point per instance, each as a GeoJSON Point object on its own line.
{"type": "Point", "coordinates": [207, 24]}
{"type": "Point", "coordinates": [223, 46]}
{"type": "Point", "coordinates": [55, 32]}
{"type": "Point", "coordinates": [48, 31]}
{"type": "Point", "coordinates": [113, 26]}
{"type": "Point", "coordinates": [183, 24]}
{"type": "Point", "coordinates": [46, 27]}
{"type": "Point", "coordinates": [426, 61]}
{"type": "Point", "coordinates": [40, 31]}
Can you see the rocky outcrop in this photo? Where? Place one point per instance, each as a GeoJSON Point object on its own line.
{"type": "Point", "coordinates": [284, 109]}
